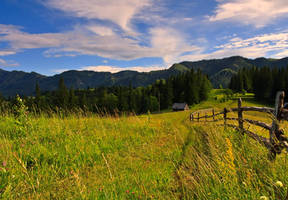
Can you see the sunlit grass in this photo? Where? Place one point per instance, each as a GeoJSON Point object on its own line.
{"type": "Point", "coordinates": [159, 156]}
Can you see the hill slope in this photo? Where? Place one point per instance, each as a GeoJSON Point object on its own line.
{"type": "Point", "coordinates": [221, 70]}
{"type": "Point", "coordinates": [218, 70]}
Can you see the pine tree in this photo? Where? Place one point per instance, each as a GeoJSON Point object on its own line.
{"type": "Point", "coordinates": [72, 99]}
{"type": "Point", "coordinates": [37, 95]}
{"type": "Point", "coordinates": [62, 94]}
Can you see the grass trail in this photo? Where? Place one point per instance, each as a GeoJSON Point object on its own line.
{"type": "Point", "coordinates": [91, 157]}
{"type": "Point", "coordinates": [161, 156]}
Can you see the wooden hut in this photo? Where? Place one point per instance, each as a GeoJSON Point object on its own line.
{"type": "Point", "coordinates": [180, 106]}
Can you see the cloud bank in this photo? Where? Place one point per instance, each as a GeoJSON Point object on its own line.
{"type": "Point", "coordinates": [9, 63]}
{"type": "Point", "coordinates": [115, 69]}
{"type": "Point", "coordinates": [165, 43]}
{"type": "Point", "coordinates": [255, 12]}
{"type": "Point", "coordinates": [119, 12]}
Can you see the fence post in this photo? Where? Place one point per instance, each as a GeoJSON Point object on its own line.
{"type": "Point", "coordinates": [240, 115]}
{"type": "Point", "coordinates": [213, 113]}
{"type": "Point", "coordinates": [274, 132]}
{"type": "Point", "coordinates": [198, 117]}
{"type": "Point", "coordinates": [225, 117]}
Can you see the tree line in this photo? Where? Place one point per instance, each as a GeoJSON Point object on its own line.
{"type": "Point", "coordinates": [264, 82]}
{"type": "Point", "coordinates": [191, 87]}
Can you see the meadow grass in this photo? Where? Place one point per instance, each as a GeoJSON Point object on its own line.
{"type": "Point", "coordinates": [158, 156]}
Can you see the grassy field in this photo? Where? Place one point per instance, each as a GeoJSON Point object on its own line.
{"type": "Point", "coordinates": [158, 156]}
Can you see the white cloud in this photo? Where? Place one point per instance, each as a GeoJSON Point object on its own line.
{"type": "Point", "coordinates": [7, 52]}
{"type": "Point", "coordinates": [165, 43]}
{"type": "Point", "coordinates": [9, 63]}
{"type": "Point", "coordinates": [256, 12]}
{"type": "Point", "coordinates": [281, 54]}
{"type": "Point", "coordinates": [75, 42]}
{"type": "Point", "coordinates": [115, 69]}
{"type": "Point", "coordinates": [100, 30]}
{"type": "Point", "coordinates": [266, 45]}
{"type": "Point", "coordinates": [170, 44]}
{"type": "Point", "coordinates": [60, 70]}
{"type": "Point", "coordinates": [119, 12]}
{"type": "Point", "coordinates": [161, 40]}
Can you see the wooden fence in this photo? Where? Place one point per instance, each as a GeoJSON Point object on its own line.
{"type": "Point", "coordinates": [276, 141]}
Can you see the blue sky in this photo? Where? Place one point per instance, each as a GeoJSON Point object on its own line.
{"type": "Point", "coordinates": [51, 36]}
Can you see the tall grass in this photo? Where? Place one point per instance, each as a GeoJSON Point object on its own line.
{"type": "Point", "coordinates": [222, 164]}
{"type": "Point", "coordinates": [161, 156]}
{"type": "Point", "coordinates": [89, 157]}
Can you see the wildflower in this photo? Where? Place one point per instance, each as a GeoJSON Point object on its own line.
{"type": "Point", "coordinates": [264, 198]}
{"type": "Point", "coordinates": [3, 170]}
{"type": "Point", "coordinates": [279, 184]}
{"type": "Point", "coordinates": [229, 157]}
{"type": "Point", "coordinates": [133, 192]}
{"type": "Point", "coordinates": [4, 163]}
{"type": "Point", "coordinates": [127, 191]}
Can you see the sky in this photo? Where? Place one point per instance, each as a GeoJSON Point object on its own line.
{"type": "Point", "coordinates": [52, 36]}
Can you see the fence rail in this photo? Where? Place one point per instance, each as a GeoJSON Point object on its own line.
{"type": "Point", "coordinates": [276, 142]}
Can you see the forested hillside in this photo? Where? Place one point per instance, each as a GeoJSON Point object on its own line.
{"type": "Point", "coordinates": [264, 82]}
{"type": "Point", "coordinates": [190, 87]}
{"type": "Point", "coordinates": [219, 72]}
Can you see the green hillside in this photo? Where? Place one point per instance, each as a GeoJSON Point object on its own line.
{"type": "Point", "coordinates": [155, 156]}
{"type": "Point", "coordinates": [219, 71]}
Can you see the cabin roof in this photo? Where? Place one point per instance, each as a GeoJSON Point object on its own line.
{"type": "Point", "coordinates": [179, 106]}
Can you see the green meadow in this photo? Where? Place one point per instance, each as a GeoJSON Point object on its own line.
{"type": "Point", "coordinates": [153, 156]}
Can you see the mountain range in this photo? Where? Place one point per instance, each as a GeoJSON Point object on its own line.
{"type": "Point", "coordinates": [219, 72]}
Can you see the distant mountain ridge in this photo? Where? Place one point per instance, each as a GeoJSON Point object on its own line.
{"type": "Point", "coordinates": [218, 70]}
{"type": "Point", "coordinates": [221, 70]}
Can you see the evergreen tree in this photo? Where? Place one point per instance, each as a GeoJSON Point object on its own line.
{"type": "Point", "coordinates": [83, 102]}
{"type": "Point", "coordinates": [37, 91]}
{"type": "Point", "coordinates": [37, 96]}
{"type": "Point", "coordinates": [72, 99]}
{"type": "Point", "coordinates": [62, 94]}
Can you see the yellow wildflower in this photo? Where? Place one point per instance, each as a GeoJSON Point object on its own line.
{"type": "Point", "coordinates": [279, 184]}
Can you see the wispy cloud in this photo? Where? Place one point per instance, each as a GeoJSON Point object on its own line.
{"type": "Point", "coordinates": [123, 42]}
{"type": "Point", "coordinates": [100, 30]}
{"type": "Point", "coordinates": [7, 52]}
{"type": "Point", "coordinates": [256, 12]}
{"type": "Point", "coordinates": [165, 43]}
{"type": "Point", "coordinates": [115, 69]}
{"type": "Point", "coordinates": [269, 45]}
{"type": "Point", "coordinates": [8, 63]}
{"type": "Point", "coordinates": [119, 12]}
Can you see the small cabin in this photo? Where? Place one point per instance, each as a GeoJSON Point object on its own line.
{"type": "Point", "coordinates": [180, 106]}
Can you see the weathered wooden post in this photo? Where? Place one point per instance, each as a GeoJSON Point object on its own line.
{"type": "Point", "coordinates": [213, 114]}
{"type": "Point", "coordinates": [225, 117]}
{"type": "Point", "coordinates": [240, 115]}
{"type": "Point", "coordinates": [275, 132]}
{"type": "Point", "coordinates": [198, 117]}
